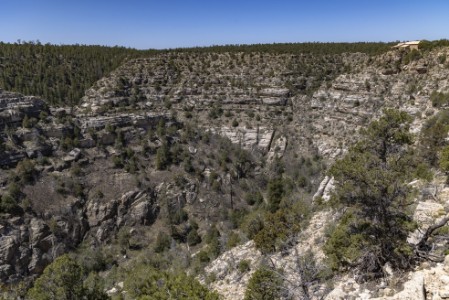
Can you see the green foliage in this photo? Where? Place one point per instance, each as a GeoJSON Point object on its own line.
{"type": "Point", "coordinates": [162, 157]}
{"type": "Point", "coordinates": [160, 130]}
{"type": "Point", "coordinates": [236, 217]}
{"type": "Point", "coordinates": [253, 224]}
{"type": "Point", "coordinates": [439, 99]}
{"type": "Point", "coordinates": [233, 240]}
{"type": "Point", "coordinates": [203, 256]}
{"type": "Point", "coordinates": [193, 237]}
{"type": "Point", "coordinates": [215, 112]}
{"type": "Point", "coordinates": [423, 171]}
{"type": "Point", "coordinates": [264, 284]}
{"type": "Point", "coordinates": [177, 216]}
{"type": "Point", "coordinates": [411, 56]}
{"type": "Point", "coordinates": [214, 247]}
{"type": "Point", "coordinates": [253, 198]}
{"type": "Point", "coordinates": [296, 48]}
{"type": "Point", "coordinates": [277, 227]}
{"type": "Point", "coordinates": [145, 282]}
{"type": "Point", "coordinates": [213, 240]}
{"type": "Point", "coordinates": [244, 266]}
{"type": "Point", "coordinates": [14, 190]}
{"type": "Point", "coordinates": [444, 159]}
{"type": "Point", "coordinates": [59, 74]}
{"type": "Point", "coordinates": [426, 46]}
{"type": "Point", "coordinates": [187, 164]}
{"type": "Point", "coordinates": [345, 243]}
{"type": "Point", "coordinates": [63, 279]}
{"type": "Point", "coordinates": [25, 171]}
{"type": "Point", "coordinates": [9, 205]}
{"type": "Point", "coordinates": [163, 242]}
{"type": "Point", "coordinates": [275, 193]}
{"type": "Point", "coordinates": [123, 238]}
{"type": "Point", "coordinates": [93, 259]}
{"type": "Point", "coordinates": [372, 180]}
{"type": "Point", "coordinates": [26, 122]}
{"type": "Point", "coordinates": [94, 288]}
{"type": "Point", "coordinates": [212, 234]}
{"type": "Point", "coordinates": [432, 137]}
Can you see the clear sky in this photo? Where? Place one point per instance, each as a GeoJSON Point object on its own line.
{"type": "Point", "coordinates": [184, 23]}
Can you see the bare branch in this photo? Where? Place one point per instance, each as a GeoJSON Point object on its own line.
{"type": "Point", "coordinates": [423, 242]}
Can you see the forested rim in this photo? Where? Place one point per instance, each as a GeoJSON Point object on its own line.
{"type": "Point", "coordinates": [58, 73]}
{"type": "Point", "coordinates": [61, 73]}
{"type": "Point", "coordinates": [316, 48]}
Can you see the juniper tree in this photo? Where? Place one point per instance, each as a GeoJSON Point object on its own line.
{"type": "Point", "coordinates": [371, 179]}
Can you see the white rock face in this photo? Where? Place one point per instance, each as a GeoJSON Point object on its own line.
{"type": "Point", "coordinates": [325, 189]}
{"type": "Point", "coordinates": [231, 284]}
{"type": "Point", "coordinates": [277, 148]}
{"type": "Point", "coordinates": [426, 214]}
{"type": "Point", "coordinates": [248, 138]}
{"type": "Point", "coordinates": [429, 283]}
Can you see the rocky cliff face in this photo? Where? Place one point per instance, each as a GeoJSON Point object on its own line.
{"type": "Point", "coordinates": [241, 96]}
{"type": "Point", "coordinates": [264, 92]}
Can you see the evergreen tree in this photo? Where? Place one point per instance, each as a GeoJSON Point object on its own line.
{"type": "Point", "coordinates": [372, 180]}
{"type": "Point", "coordinates": [264, 284]}
{"type": "Point", "coordinates": [63, 279]}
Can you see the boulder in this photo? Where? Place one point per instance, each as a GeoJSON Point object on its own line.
{"type": "Point", "coordinates": [5, 271]}
{"type": "Point", "coordinates": [8, 248]}
{"type": "Point", "coordinates": [99, 212]}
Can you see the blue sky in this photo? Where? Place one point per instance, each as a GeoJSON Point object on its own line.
{"type": "Point", "coordinates": [174, 23]}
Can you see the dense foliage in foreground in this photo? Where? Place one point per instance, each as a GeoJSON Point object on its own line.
{"type": "Point", "coordinates": [372, 183]}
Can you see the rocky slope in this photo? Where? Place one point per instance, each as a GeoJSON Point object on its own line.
{"type": "Point", "coordinates": [336, 112]}
{"type": "Point", "coordinates": [91, 174]}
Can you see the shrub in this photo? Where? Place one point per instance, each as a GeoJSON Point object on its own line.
{"type": "Point", "coordinates": [178, 216]}
{"type": "Point", "coordinates": [145, 282]}
{"type": "Point", "coordinates": [344, 245]}
{"type": "Point", "coordinates": [203, 256]}
{"type": "Point", "coordinates": [433, 136]}
{"type": "Point", "coordinates": [244, 266]}
{"type": "Point", "coordinates": [411, 56]}
{"type": "Point", "coordinates": [193, 237]}
{"type": "Point", "coordinates": [25, 171]}
{"type": "Point", "coordinates": [439, 99]}
{"type": "Point", "coordinates": [253, 224]}
{"type": "Point", "coordinates": [275, 193]}
{"type": "Point", "coordinates": [162, 157]}
{"type": "Point", "coordinates": [9, 205]}
{"type": "Point", "coordinates": [444, 159]}
{"type": "Point", "coordinates": [264, 284]}
{"type": "Point", "coordinates": [233, 240]}
{"type": "Point", "coordinates": [163, 242]}
{"type": "Point", "coordinates": [253, 198]}
{"type": "Point", "coordinates": [236, 217]}
{"type": "Point", "coordinates": [277, 227]}
{"type": "Point", "coordinates": [14, 190]}
{"type": "Point", "coordinates": [63, 279]}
